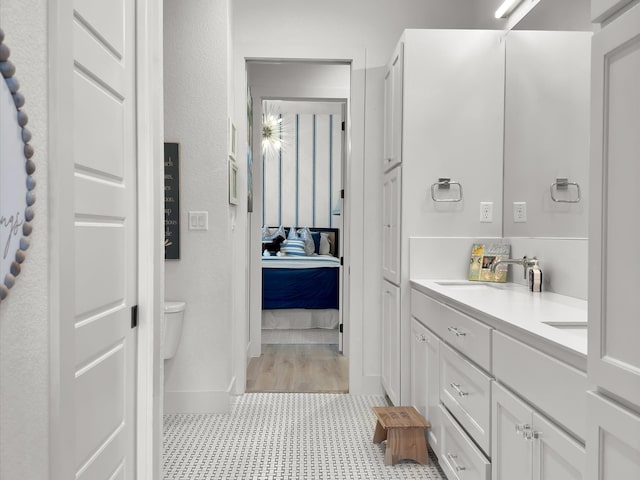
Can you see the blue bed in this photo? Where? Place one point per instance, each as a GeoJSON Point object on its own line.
{"type": "Point", "coordinates": [303, 282]}
{"type": "Point", "coordinates": [310, 288]}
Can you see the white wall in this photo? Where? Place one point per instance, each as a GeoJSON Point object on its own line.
{"type": "Point", "coordinates": [24, 326]}
{"type": "Point", "coordinates": [196, 86]}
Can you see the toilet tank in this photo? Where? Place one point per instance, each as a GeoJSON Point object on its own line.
{"type": "Point", "coordinates": [172, 327]}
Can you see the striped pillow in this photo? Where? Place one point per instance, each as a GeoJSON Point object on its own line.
{"type": "Point", "coordinates": [293, 247]}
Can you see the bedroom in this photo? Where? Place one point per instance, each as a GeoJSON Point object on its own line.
{"type": "Point", "coordinates": [298, 182]}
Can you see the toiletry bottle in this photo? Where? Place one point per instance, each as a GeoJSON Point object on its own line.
{"type": "Point", "coordinates": [535, 279]}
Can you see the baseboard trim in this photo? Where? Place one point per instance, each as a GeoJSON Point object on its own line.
{"type": "Point", "coordinates": [197, 402]}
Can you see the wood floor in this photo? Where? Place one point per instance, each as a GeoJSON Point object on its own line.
{"type": "Point", "coordinates": [298, 369]}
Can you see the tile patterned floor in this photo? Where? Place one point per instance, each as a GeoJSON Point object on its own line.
{"type": "Point", "coordinates": [284, 436]}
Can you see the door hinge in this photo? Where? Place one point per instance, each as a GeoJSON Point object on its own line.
{"type": "Point", "coordinates": [341, 329]}
{"type": "Point", "coordinates": [342, 193]}
{"type": "Point", "coordinates": [343, 126]}
{"type": "Point", "coordinates": [134, 316]}
{"type": "Point", "coordinates": [341, 260]}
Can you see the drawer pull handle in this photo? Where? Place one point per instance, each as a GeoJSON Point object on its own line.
{"type": "Point", "coordinates": [452, 459]}
{"type": "Point", "coordinates": [523, 430]}
{"type": "Point", "coordinates": [456, 387]}
{"type": "Point", "coordinates": [456, 332]}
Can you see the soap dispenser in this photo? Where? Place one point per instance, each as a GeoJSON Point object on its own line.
{"type": "Point", "coordinates": [535, 277]}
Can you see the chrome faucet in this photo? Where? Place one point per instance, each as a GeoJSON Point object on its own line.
{"type": "Point", "coordinates": [524, 261]}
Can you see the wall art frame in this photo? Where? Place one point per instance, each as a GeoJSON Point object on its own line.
{"type": "Point", "coordinates": [16, 170]}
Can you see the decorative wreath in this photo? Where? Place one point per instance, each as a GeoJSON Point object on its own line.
{"type": "Point", "coordinates": [16, 170]}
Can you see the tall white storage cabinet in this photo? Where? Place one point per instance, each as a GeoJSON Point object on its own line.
{"type": "Point", "coordinates": [438, 123]}
{"type": "Point", "coordinates": [613, 419]}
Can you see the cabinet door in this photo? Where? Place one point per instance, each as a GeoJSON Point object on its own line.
{"type": "Point", "coordinates": [511, 451]}
{"type": "Point", "coordinates": [393, 109]}
{"type": "Point", "coordinates": [391, 341]}
{"type": "Point", "coordinates": [613, 440]}
{"type": "Point", "coordinates": [556, 455]}
{"type": "Point", "coordinates": [388, 118]}
{"type": "Point", "coordinates": [425, 377]}
{"type": "Point", "coordinates": [614, 329]}
{"type": "Point", "coordinates": [391, 198]}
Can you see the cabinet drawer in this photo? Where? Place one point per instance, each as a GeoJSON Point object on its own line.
{"type": "Point", "coordinates": [467, 335]}
{"type": "Point", "coordinates": [459, 457]}
{"type": "Point", "coordinates": [466, 391]}
{"type": "Point", "coordinates": [555, 388]}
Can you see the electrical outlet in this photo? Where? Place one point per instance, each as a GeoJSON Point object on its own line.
{"type": "Point", "coordinates": [486, 212]}
{"type": "Point", "coordinates": [519, 212]}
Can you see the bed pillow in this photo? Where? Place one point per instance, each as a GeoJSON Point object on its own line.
{"type": "Point", "coordinates": [266, 233]}
{"type": "Point", "coordinates": [325, 246]}
{"type": "Point", "coordinates": [293, 235]}
{"type": "Point", "coordinates": [272, 236]}
{"type": "Point", "coordinates": [316, 242]}
{"type": "Point", "coordinates": [294, 247]}
{"type": "Point", "coordinates": [305, 234]}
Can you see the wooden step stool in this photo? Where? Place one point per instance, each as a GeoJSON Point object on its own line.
{"type": "Point", "coordinates": [403, 429]}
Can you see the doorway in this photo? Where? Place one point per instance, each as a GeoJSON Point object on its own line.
{"type": "Point", "coordinates": [296, 343]}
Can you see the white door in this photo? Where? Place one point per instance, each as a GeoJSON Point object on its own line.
{"type": "Point", "coordinates": [511, 450]}
{"type": "Point", "coordinates": [105, 238]}
{"type": "Point", "coordinates": [425, 377]}
{"type": "Point", "coordinates": [613, 440]}
{"type": "Point", "coordinates": [614, 226]}
{"type": "Point", "coordinates": [393, 87]}
{"type": "Point", "coordinates": [391, 212]}
{"type": "Point", "coordinates": [391, 341]}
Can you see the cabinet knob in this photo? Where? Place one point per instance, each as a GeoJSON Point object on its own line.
{"type": "Point", "coordinates": [522, 429]}
{"type": "Point", "coordinates": [422, 339]}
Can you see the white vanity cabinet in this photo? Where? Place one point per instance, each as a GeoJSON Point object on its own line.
{"type": "Point", "coordinates": [526, 446]}
{"type": "Point", "coordinates": [613, 408]}
{"type": "Point", "coordinates": [512, 402]}
{"type": "Point", "coordinates": [391, 341]}
{"type": "Point", "coordinates": [425, 377]}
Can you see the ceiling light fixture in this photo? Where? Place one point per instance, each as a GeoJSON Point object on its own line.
{"type": "Point", "coordinates": [506, 8]}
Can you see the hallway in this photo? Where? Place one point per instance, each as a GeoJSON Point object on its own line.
{"type": "Point", "coordinates": [284, 437]}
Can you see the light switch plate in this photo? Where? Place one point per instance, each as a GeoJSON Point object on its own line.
{"type": "Point", "coordinates": [198, 220]}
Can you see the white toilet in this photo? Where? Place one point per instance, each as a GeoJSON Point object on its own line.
{"type": "Point", "coordinates": [172, 327]}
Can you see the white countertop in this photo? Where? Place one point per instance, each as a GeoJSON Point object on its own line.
{"type": "Point", "coordinates": [513, 309]}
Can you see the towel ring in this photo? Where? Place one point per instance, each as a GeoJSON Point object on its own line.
{"type": "Point", "coordinates": [563, 184]}
{"type": "Point", "coordinates": [445, 184]}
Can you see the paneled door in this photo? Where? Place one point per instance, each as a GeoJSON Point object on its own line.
{"type": "Point", "coordinates": [104, 139]}
{"type": "Point", "coordinates": [614, 356]}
